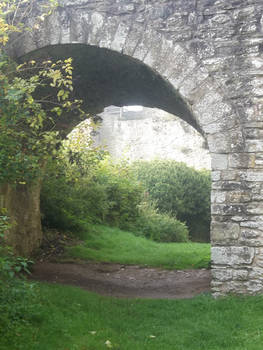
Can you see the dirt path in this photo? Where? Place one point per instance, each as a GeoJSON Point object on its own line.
{"type": "Point", "coordinates": [126, 281]}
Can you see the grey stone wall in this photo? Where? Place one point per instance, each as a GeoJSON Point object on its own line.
{"type": "Point", "coordinates": [201, 60]}
{"type": "Point", "coordinates": [149, 134]}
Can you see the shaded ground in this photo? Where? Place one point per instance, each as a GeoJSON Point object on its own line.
{"type": "Point", "coordinates": [125, 280]}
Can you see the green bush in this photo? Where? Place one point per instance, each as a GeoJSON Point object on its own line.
{"type": "Point", "coordinates": [64, 205]}
{"type": "Point", "coordinates": [159, 227]}
{"type": "Point", "coordinates": [124, 193]}
{"type": "Point", "coordinates": [108, 193]}
{"type": "Point", "coordinates": [17, 304]}
{"type": "Point", "coordinates": [180, 191]}
{"type": "Point", "coordinates": [17, 296]}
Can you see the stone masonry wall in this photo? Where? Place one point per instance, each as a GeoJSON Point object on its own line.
{"type": "Point", "coordinates": [149, 134]}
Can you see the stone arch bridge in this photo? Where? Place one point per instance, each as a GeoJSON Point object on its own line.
{"type": "Point", "coordinates": [199, 59]}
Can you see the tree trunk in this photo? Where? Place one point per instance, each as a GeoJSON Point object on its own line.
{"type": "Point", "coordinates": [23, 207]}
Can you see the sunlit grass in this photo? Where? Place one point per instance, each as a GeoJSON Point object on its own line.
{"type": "Point", "coordinates": [103, 243]}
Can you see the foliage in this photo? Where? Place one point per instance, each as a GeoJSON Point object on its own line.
{"type": "Point", "coordinates": [16, 295]}
{"type": "Point", "coordinates": [105, 193]}
{"type": "Point", "coordinates": [78, 155]}
{"type": "Point", "coordinates": [10, 265]}
{"type": "Point", "coordinates": [124, 193]}
{"type": "Point", "coordinates": [102, 243]}
{"type": "Point", "coordinates": [14, 12]}
{"type": "Point", "coordinates": [69, 195]}
{"type": "Point", "coordinates": [33, 96]}
{"type": "Point", "coordinates": [18, 306]}
{"type": "Point", "coordinates": [160, 227]}
{"type": "Point", "coordinates": [27, 138]}
{"type": "Point", "coordinates": [180, 191]}
{"type": "Point", "coordinates": [4, 223]}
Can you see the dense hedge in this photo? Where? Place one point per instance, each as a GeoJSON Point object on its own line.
{"type": "Point", "coordinates": [104, 195]}
{"type": "Point", "coordinates": [160, 227]}
{"type": "Point", "coordinates": [180, 191]}
{"type": "Point", "coordinates": [107, 193]}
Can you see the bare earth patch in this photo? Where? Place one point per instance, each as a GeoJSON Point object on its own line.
{"type": "Point", "coordinates": [127, 281]}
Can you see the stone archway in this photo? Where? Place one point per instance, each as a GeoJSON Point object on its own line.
{"type": "Point", "coordinates": [208, 60]}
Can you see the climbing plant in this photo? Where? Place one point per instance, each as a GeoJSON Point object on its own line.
{"type": "Point", "coordinates": [33, 96]}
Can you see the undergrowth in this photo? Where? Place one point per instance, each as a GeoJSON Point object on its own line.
{"type": "Point", "coordinates": [17, 296]}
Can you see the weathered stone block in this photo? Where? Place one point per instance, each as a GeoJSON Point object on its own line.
{"type": "Point", "coordinates": [221, 275]}
{"type": "Point", "coordinates": [192, 82]}
{"type": "Point", "coordinates": [254, 146]}
{"type": "Point", "coordinates": [253, 287]}
{"type": "Point", "coordinates": [218, 197]}
{"type": "Point", "coordinates": [237, 218]}
{"type": "Point", "coordinates": [219, 161]}
{"type": "Point", "coordinates": [255, 208]}
{"type": "Point", "coordinates": [229, 175]}
{"type": "Point", "coordinates": [226, 142]}
{"type": "Point", "coordinates": [211, 107]}
{"type": "Point", "coordinates": [232, 255]}
{"type": "Point", "coordinates": [251, 237]}
{"type": "Point", "coordinates": [231, 185]}
{"type": "Point", "coordinates": [227, 209]}
{"type": "Point", "coordinates": [251, 224]}
{"type": "Point", "coordinates": [215, 175]}
{"type": "Point", "coordinates": [223, 232]}
{"type": "Point", "coordinates": [241, 160]}
{"type": "Point", "coordinates": [254, 176]}
{"type": "Point", "coordinates": [238, 197]}
{"type": "Point", "coordinates": [240, 275]}
{"type": "Point", "coordinates": [256, 273]}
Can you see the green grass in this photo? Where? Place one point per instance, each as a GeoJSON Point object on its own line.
{"type": "Point", "coordinates": [103, 243]}
{"type": "Point", "coordinates": [67, 315]}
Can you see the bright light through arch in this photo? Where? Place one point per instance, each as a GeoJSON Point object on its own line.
{"type": "Point", "coordinates": [132, 108]}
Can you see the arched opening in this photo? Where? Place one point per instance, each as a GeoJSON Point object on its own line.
{"type": "Point", "coordinates": [103, 77]}
{"type": "Point", "coordinates": [204, 105]}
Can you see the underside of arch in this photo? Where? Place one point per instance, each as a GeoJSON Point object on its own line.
{"type": "Point", "coordinates": [103, 77]}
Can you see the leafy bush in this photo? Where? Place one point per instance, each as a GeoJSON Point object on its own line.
{"type": "Point", "coordinates": [64, 205]}
{"type": "Point", "coordinates": [180, 191]}
{"type": "Point", "coordinates": [17, 304]}
{"type": "Point", "coordinates": [159, 227]}
{"type": "Point", "coordinates": [123, 191]}
{"type": "Point", "coordinates": [107, 193]}
{"type": "Point", "coordinates": [17, 296]}
{"type": "Point", "coordinates": [85, 185]}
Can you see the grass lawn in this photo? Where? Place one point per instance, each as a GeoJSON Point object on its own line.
{"type": "Point", "coordinates": [103, 243]}
{"type": "Point", "coordinates": [68, 317]}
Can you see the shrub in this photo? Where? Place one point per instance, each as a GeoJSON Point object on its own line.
{"type": "Point", "coordinates": [159, 227]}
{"type": "Point", "coordinates": [64, 204]}
{"type": "Point", "coordinates": [180, 191]}
{"type": "Point", "coordinates": [124, 193]}
{"type": "Point", "coordinates": [108, 193]}
{"type": "Point", "coordinates": [17, 296]}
